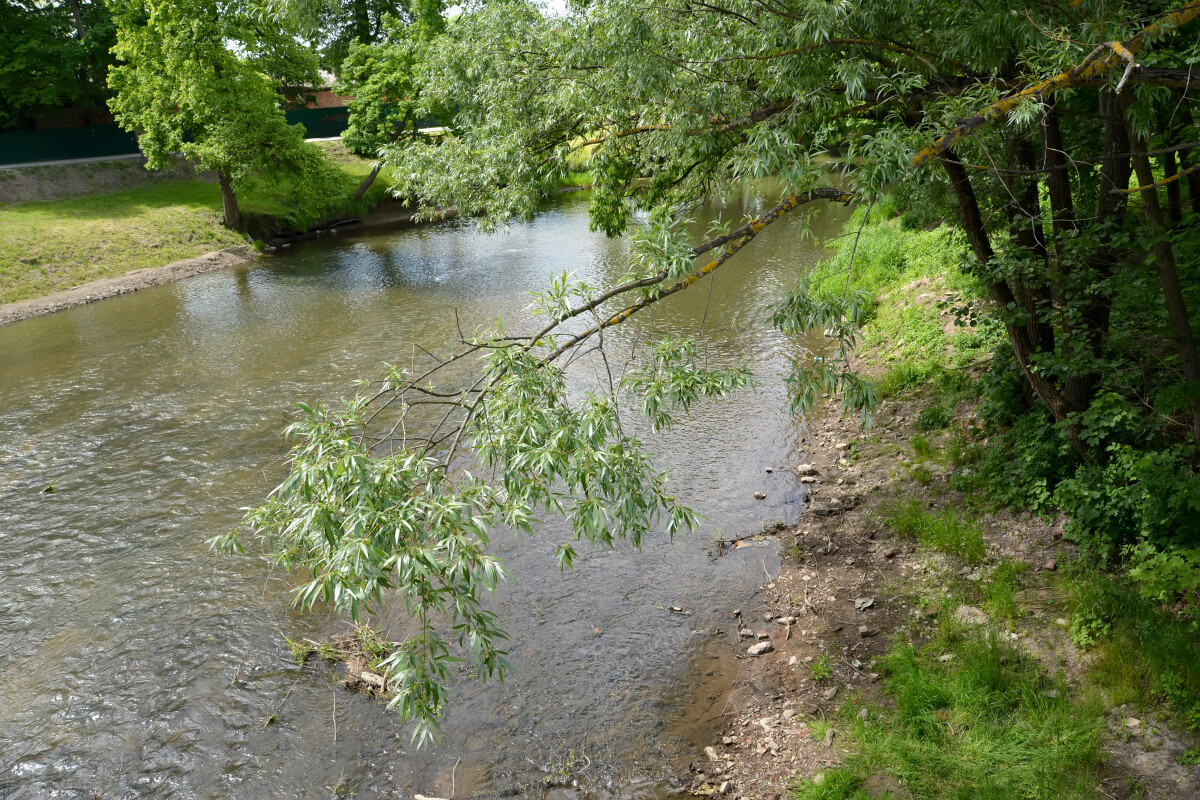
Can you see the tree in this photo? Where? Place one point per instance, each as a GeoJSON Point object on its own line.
{"type": "Point", "coordinates": [203, 78]}
{"type": "Point", "coordinates": [1024, 124]}
{"type": "Point", "coordinates": [382, 77]}
{"type": "Point", "coordinates": [52, 55]}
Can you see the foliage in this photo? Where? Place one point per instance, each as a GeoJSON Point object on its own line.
{"type": "Point", "coordinates": [50, 58]}
{"type": "Point", "coordinates": [203, 79]}
{"type": "Point", "coordinates": [1144, 653]}
{"type": "Point", "coordinates": [821, 668]}
{"type": "Point", "coordinates": [1014, 121]}
{"type": "Point", "coordinates": [981, 725]}
{"type": "Point", "coordinates": [940, 530]}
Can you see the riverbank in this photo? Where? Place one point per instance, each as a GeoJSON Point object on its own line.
{"type": "Point", "coordinates": [924, 642]}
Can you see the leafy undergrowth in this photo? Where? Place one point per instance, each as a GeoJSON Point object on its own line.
{"type": "Point", "coordinates": [943, 530]}
{"type": "Point", "coordinates": [52, 245]}
{"type": "Point", "coordinates": [968, 716]}
{"type": "Point", "coordinates": [289, 204]}
{"type": "Point", "coordinates": [1143, 653]}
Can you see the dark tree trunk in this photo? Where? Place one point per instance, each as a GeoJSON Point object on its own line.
{"type": "Point", "coordinates": [1092, 332]}
{"type": "Point", "coordinates": [1188, 123]}
{"type": "Point", "coordinates": [1168, 275]}
{"type": "Point", "coordinates": [1002, 295]}
{"type": "Point", "coordinates": [1174, 197]}
{"type": "Point", "coordinates": [1062, 206]}
{"type": "Point", "coordinates": [229, 203]}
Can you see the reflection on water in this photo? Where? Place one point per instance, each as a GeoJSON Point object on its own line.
{"type": "Point", "coordinates": [134, 661]}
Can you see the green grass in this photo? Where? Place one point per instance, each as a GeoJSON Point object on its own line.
{"type": "Point", "coordinates": [1142, 653]}
{"type": "Point", "coordinates": [982, 725]}
{"type": "Point", "coordinates": [47, 246]}
{"type": "Point", "coordinates": [53, 245]}
{"type": "Point", "coordinates": [942, 530]}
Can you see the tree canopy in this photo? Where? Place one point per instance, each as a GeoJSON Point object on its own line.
{"type": "Point", "coordinates": [1056, 135]}
{"type": "Point", "coordinates": [52, 55]}
{"type": "Point", "coordinates": [204, 79]}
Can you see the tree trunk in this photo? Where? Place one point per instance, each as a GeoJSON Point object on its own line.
{"type": "Point", "coordinates": [1168, 275]}
{"type": "Point", "coordinates": [78, 15]}
{"type": "Point", "coordinates": [367, 181]}
{"type": "Point", "coordinates": [1174, 198]}
{"type": "Point", "coordinates": [229, 202]}
{"type": "Point", "coordinates": [1092, 331]}
{"type": "Point", "coordinates": [1002, 295]}
{"type": "Point", "coordinates": [1062, 206]}
{"type": "Point", "coordinates": [1188, 123]}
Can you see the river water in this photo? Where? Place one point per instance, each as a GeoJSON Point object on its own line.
{"type": "Point", "coordinates": [136, 662]}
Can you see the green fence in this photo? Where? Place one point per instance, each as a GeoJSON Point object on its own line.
{"type": "Point", "coordinates": [97, 141]}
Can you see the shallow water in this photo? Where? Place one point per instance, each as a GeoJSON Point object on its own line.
{"type": "Point", "coordinates": [136, 662]}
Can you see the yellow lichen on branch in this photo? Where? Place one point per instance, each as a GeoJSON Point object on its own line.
{"type": "Point", "coordinates": [1103, 58]}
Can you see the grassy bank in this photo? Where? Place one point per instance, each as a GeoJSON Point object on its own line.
{"type": "Point", "coordinates": [50, 245]}
{"type": "Point", "coordinates": [53, 245]}
{"type": "Point", "coordinates": [1021, 706]}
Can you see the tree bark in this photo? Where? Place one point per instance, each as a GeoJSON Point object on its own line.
{"type": "Point", "coordinates": [1062, 206]}
{"type": "Point", "coordinates": [1092, 332]}
{"type": "Point", "coordinates": [1174, 197]}
{"type": "Point", "coordinates": [1192, 178]}
{"type": "Point", "coordinates": [78, 15]}
{"type": "Point", "coordinates": [1002, 295]}
{"type": "Point", "coordinates": [1168, 275]}
{"type": "Point", "coordinates": [229, 202]}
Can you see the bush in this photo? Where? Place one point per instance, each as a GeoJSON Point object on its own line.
{"type": "Point", "coordinates": [1152, 496]}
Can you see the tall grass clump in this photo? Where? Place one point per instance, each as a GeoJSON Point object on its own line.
{"type": "Point", "coordinates": [941, 530]}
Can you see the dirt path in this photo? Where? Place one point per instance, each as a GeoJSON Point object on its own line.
{"type": "Point", "coordinates": [128, 282]}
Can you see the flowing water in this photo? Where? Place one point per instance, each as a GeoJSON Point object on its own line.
{"type": "Point", "coordinates": [135, 662]}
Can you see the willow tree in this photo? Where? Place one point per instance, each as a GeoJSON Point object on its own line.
{"type": "Point", "coordinates": [1025, 122]}
{"type": "Point", "coordinates": [205, 78]}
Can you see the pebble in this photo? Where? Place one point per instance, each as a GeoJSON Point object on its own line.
{"type": "Point", "coordinates": [1132, 722]}
{"type": "Point", "coordinates": [864, 715]}
{"type": "Point", "coordinates": [1061, 621]}
{"type": "Point", "coordinates": [788, 713]}
{"type": "Point", "coordinates": [828, 737]}
{"type": "Point", "coordinates": [889, 553]}
{"type": "Point", "coordinates": [724, 787]}
{"type": "Point", "coordinates": [947, 657]}
{"type": "Point", "coordinates": [760, 649]}
{"type": "Point", "coordinates": [1050, 565]}
{"type": "Point", "coordinates": [712, 754]}
{"type": "Point", "coordinates": [809, 479]}
{"type": "Point", "coordinates": [763, 635]}
{"type": "Point", "coordinates": [863, 603]}
{"type": "Point", "coordinates": [866, 632]}
{"type": "Point", "coordinates": [760, 495]}
{"type": "Point", "coordinates": [793, 661]}
{"type": "Point", "coordinates": [746, 633]}
{"type": "Point", "coordinates": [808, 469]}
{"type": "Point", "coordinates": [831, 693]}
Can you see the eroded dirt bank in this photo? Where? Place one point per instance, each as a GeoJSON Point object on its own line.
{"type": "Point", "coordinates": [851, 588]}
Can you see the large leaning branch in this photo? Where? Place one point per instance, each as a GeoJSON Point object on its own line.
{"type": "Point", "coordinates": [1099, 61]}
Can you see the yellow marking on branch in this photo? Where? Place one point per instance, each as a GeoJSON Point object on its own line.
{"type": "Point", "coordinates": [1090, 68]}
{"type": "Point", "coordinates": [1163, 182]}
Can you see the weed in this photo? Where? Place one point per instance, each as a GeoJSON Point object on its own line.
{"type": "Point", "coordinates": [942, 530]}
{"type": "Point", "coordinates": [934, 417]}
{"type": "Point", "coordinates": [1000, 588]}
{"type": "Point", "coordinates": [1190, 758]}
{"type": "Point", "coordinates": [922, 449]}
{"type": "Point", "coordinates": [921, 474]}
{"type": "Point", "coordinates": [981, 725]}
{"type": "Point", "coordinates": [821, 669]}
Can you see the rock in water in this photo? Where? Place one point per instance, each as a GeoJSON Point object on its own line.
{"type": "Point", "coordinates": [808, 469]}
{"type": "Point", "coordinates": [761, 648]}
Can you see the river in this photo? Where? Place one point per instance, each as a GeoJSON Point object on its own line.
{"type": "Point", "coordinates": [135, 661]}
